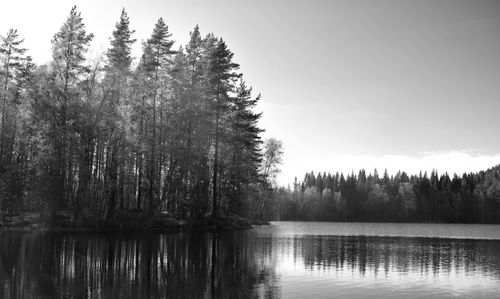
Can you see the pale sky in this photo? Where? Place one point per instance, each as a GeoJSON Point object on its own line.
{"type": "Point", "coordinates": [345, 85]}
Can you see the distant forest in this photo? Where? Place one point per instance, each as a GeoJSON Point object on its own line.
{"type": "Point", "coordinates": [94, 136]}
{"type": "Point", "coordinates": [470, 198]}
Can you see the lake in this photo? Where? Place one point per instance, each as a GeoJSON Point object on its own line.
{"type": "Point", "coordinates": [282, 260]}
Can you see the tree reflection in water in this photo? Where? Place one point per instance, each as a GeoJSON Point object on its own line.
{"type": "Point", "coordinates": [196, 265]}
{"type": "Point", "coordinates": [425, 256]}
{"type": "Point", "coordinates": [239, 264]}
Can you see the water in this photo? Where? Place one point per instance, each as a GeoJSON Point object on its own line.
{"type": "Point", "coordinates": [284, 260]}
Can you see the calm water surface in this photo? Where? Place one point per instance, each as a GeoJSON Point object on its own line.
{"type": "Point", "coordinates": [283, 260]}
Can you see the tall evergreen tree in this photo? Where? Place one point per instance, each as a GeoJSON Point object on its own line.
{"type": "Point", "coordinates": [221, 79]}
{"type": "Point", "coordinates": [157, 65]}
{"type": "Point", "coordinates": [11, 60]}
{"type": "Point", "coordinates": [13, 72]}
{"type": "Point", "coordinates": [245, 150]}
{"type": "Point", "coordinates": [119, 54]}
{"type": "Point", "coordinates": [69, 47]}
{"type": "Point", "coordinates": [117, 75]}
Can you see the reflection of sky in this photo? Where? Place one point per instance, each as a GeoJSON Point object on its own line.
{"type": "Point", "coordinates": [297, 279]}
{"type": "Point", "coordinates": [347, 266]}
{"type": "Point", "coordinates": [456, 231]}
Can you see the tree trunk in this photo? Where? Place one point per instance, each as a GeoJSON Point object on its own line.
{"type": "Point", "coordinates": [215, 203]}
{"type": "Point", "coordinates": [112, 183]}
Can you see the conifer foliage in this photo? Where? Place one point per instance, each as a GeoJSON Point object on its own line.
{"type": "Point", "coordinates": [470, 198]}
{"type": "Point", "coordinates": [175, 132]}
{"type": "Point", "coordinates": [95, 137]}
{"type": "Point", "coordinates": [14, 70]}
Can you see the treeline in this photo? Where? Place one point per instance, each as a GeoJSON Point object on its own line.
{"type": "Point", "coordinates": [177, 132]}
{"type": "Point", "coordinates": [470, 198]}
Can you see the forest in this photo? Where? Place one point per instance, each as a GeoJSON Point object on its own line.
{"type": "Point", "coordinates": [470, 198]}
{"type": "Point", "coordinates": [175, 133]}
{"type": "Point", "coordinates": [94, 137]}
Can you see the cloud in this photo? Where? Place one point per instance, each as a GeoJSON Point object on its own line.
{"type": "Point", "coordinates": [456, 161]}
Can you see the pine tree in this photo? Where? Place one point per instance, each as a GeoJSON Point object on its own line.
{"type": "Point", "coordinates": [11, 59]}
{"type": "Point", "coordinates": [69, 47]}
{"type": "Point", "coordinates": [12, 63]}
{"type": "Point", "coordinates": [117, 75]}
{"type": "Point", "coordinates": [157, 65]}
{"type": "Point", "coordinates": [178, 129]}
{"type": "Point", "coordinates": [197, 121]}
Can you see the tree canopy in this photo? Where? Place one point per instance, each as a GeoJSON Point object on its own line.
{"type": "Point", "coordinates": [98, 136]}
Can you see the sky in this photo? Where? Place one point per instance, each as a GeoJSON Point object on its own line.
{"type": "Point", "coordinates": [387, 84]}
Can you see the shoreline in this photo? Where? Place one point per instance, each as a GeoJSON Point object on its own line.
{"type": "Point", "coordinates": [139, 223]}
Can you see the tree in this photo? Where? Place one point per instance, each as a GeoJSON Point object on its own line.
{"type": "Point", "coordinates": [119, 55]}
{"type": "Point", "coordinates": [272, 158]}
{"type": "Point", "coordinates": [11, 59]}
{"type": "Point", "coordinates": [14, 69]}
{"type": "Point", "coordinates": [98, 136]}
{"type": "Point", "coordinates": [221, 78]}
{"type": "Point", "coordinates": [117, 76]}
{"type": "Point", "coordinates": [244, 150]}
{"type": "Point", "coordinates": [197, 117]}
{"type": "Point", "coordinates": [69, 47]}
{"type": "Point", "coordinates": [157, 63]}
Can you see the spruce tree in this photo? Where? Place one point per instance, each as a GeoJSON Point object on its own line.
{"type": "Point", "coordinates": [221, 79]}
{"type": "Point", "coordinates": [245, 145]}
{"type": "Point", "coordinates": [119, 54]}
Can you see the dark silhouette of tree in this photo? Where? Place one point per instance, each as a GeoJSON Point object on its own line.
{"type": "Point", "coordinates": [99, 138]}
{"type": "Point", "coordinates": [102, 139]}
